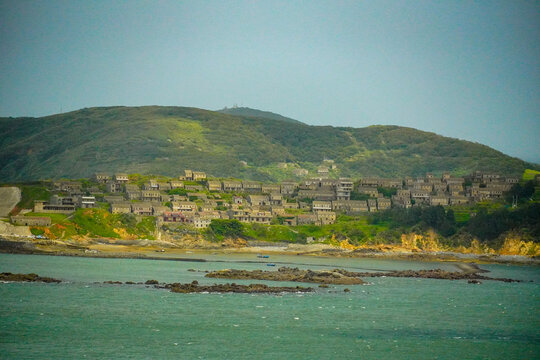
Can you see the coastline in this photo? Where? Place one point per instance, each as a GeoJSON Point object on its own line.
{"type": "Point", "coordinates": [159, 250]}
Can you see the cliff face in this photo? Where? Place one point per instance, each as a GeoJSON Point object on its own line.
{"type": "Point", "coordinates": [513, 244]}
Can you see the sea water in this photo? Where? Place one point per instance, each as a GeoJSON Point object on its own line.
{"type": "Point", "coordinates": [391, 318]}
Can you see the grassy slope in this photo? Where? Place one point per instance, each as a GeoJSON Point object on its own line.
{"type": "Point", "coordinates": [166, 140]}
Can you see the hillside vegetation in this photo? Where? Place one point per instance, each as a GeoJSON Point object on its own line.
{"type": "Point", "coordinates": [166, 140]}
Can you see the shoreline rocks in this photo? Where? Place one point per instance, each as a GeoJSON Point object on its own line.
{"type": "Point", "coordinates": [194, 287]}
{"type": "Point", "coordinates": [344, 277]}
{"type": "Point", "coordinates": [289, 274]}
{"type": "Point", "coordinates": [7, 276]}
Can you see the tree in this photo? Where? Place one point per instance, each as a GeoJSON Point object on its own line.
{"type": "Point", "coordinates": [226, 228]}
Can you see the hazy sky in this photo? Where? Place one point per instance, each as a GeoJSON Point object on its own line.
{"type": "Point", "coordinates": [464, 69]}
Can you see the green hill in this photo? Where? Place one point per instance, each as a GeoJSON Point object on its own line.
{"type": "Point", "coordinates": [166, 140]}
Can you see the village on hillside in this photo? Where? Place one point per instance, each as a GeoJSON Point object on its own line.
{"type": "Point", "coordinates": [194, 199]}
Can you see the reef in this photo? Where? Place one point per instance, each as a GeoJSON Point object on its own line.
{"type": "Point", "coordinates": [7, 276]}
{"type": "Point", "coordinates": [344, 277]}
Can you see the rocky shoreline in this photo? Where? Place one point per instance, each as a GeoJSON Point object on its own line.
{"type": "Point", "coordinates": [109, 250]}
{"type": "Point", "coordinates": [7, 276]}
{"type": "Point", "coordinates": [195, 287]}
{"type": "Point", "coordinates": [344, 277]}
{"type": "Point", "coordinates": [289, 274]}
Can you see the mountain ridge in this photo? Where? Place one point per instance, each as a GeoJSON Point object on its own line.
{"type": "Point", "coordinates": [249, 112]}
{"type": "Point", "coordinates": [166, 139]}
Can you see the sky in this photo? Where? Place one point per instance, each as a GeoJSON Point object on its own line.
{"type": "Point", "coordinates": [465, 69]}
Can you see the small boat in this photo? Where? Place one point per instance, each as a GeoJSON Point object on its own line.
{"type": "Point", "coordinates": [263, 256]}
{"type": "Point", "coordinates": [270, 264]}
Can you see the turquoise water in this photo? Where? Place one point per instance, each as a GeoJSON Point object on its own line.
{"type": "Point", "coordinates": [388, 319]}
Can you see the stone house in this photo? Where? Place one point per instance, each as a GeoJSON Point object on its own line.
{"type": "Point", "coordinates": [41, 206]}
{"type": "Point", "coordinates": [321, 206]}
{"type": "Point", "coordinates": [214, 185]}
{"type": "Point", "coordinates": [199, 175]}
{"type": "Point", "coordinates": [290, 220]}
{"type": "Point", "coordinates": [340, 205]}
{"type": "Point", "coordinates": [184, 206]}
{"type": "Point", "coordinates": [121, 178]}
{"type": "Point", "coordinates": [369, 182]}
{"type": "Point", "coordinates": [383, 203]}
{"type": "Point", "coordinates": [207, 208]}
{"type": "Point", "coordinates": [300, 172]}
{"type": "Point", "coordinates": [323, 170]}
{"type": "Point", "coordinates": [238, 200]}
{"type": "Point", "coordinates": [113, 187]}
{"type": "Point", "coordinates": [142, 208]}
{"type": "Point", "coordinates": [455, 189]}
{"type": "Point", "coordinates": [260, 217]}
{"type": "Point", "coordinates": [423, 187]}
{"type": "Point", "coordinates": [306, 219]}
{"type": "Point", "coordinates": [420, 196]}
{"type": "Point", "coordinates": [458, 200]}
{"type": "Point", "coordinates": [409, 181]}
{"type": "Point", "coordinates": [201, 222]}
{"type": "Point", "coordinates": [357, 206]}
{"type": "Point", "coordinates": [87, 202]}
{"type": "Point", "coordinates": [435, 200]}
{"type": "Point", "coordinates": [401, 201]}
{"type": "Point", "coordinates": [158, 210]}
{"type": "Point", "coordinates": [31, 220]}
{"type": "Point", "coordinates": [232, 186]}
{"type": "Point", "coordinates": [278, 210]}
{"type": "Point", "coordinates": [275, 199]}
{"type": "Point", "coordinates": [344, 187]}
{"type": "Point", "coordinates": [133, 195]}
{"type": "Point", "coordinates": [150, 195]}
{"type": "Point", "coordinates": [326, 217]}
{"type": "Point", "coordinates": [71, 187]}
{"type": "Point", "coordinates": [371, 191]}
{"type": "Point", "coordinates": [101, 177]}
{"type": "Point", "coordinates": [289, 205]}
{"type": "Point", "coordinates": [113, 198]}
{"type": "Point", "coordinates": [390, 183]}
{"type": "Point", "coordinates": [241, 215]}
{"type": "Point", "coordinates": [258, 200]}
{"type": "Point", "coordinates": [455, 180]}
{"type": "Point", "coordinates": [188, 174]}
{"type": "Point", "coordinates": [173, 217]}
{"type": "Point", "coordinates": [288, 187]}
{"type": "Point", "coordinates": [176, 184]}
{"type": "Point", "coordinates": [404, 193]}
{"type": "Point", "coordinates": [372, 205]}
{"type": "Point", "coordinates": [251, 186]}
{"type": "Point", "coordinates": [194, 188]}
{"type": "Point", "coordinates": [439, 187]}
{"type": "Point", "coordinates": [120, 208]}
{"type": "Point", "coordinates": [164, 186]}
{"type": "Point", "coordinates": [270, 188]}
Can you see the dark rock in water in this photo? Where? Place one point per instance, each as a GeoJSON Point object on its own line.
{"type": "Point", "coordinates": [194, 287]}
{"type": "Point", "coordinates": [344, 277]}
{"type": "Point", "coordinates": [112, 282]}
{"type": "Point", "coordinates": [347, 290]}
{"type": "Point", "coordinates": [289, 274]}
{"type": "Point", "coordinates": [27, 278]}
{"type": "Point", "coordinates": [151, 282]}
{"type": "Point", "coordinates": [130, 283]}
{"type": "Point", "coordinates": [474, 282]}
